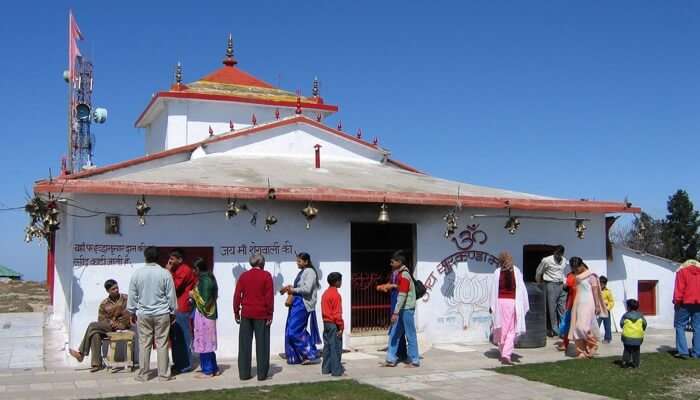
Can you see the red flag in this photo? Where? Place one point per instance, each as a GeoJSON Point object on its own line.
{"type": "Point", "coordinates": [74, 35]}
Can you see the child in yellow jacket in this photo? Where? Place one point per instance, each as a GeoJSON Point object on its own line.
{"type": "Point", "coordinates": [609, 304]}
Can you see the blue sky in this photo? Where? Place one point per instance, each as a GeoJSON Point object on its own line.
{"type": "Point", "coordinates": [588, 100]}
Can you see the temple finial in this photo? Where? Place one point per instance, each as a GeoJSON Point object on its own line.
{"type": "Point", "coordinates": [229, 60]}
{"type": "Point", "coordinates": [178, 73]}
{"type": "Point", "coordinates": [315, 90]}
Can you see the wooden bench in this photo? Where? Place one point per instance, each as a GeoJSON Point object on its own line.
{"type": "Point", "coordinates": [114, 338]}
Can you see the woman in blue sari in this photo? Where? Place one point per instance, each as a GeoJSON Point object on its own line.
{"type": "Point", "coordinates": [300, 344]}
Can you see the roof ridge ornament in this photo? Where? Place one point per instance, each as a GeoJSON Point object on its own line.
{"type": "Point", "coordinates": [298, 110]}
{"type": "Point", "coordinates": [229, 61]}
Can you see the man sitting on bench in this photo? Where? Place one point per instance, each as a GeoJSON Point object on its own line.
{"type": "Point", "coordinates": [112, 317]}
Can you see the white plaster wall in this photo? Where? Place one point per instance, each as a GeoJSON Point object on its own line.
{"type": "Point", "coordinates": [209, 230]}
{"type": "Point", "coordinates": [628, 268]}
{"type": "Point", "coordinates": [183, 122]}
{"type": "Point", "coordinates": [177, 117]}
{"type": "Point", "coordinates": [156, 137]}
{"type": "Point", "coordinates": [329, 244]}
{"type": "Point", "coordinates": [464, 317]}
{"type": "Point", "coordinates": [295, 141]}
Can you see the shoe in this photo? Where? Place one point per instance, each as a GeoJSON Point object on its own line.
{"type": "Point", "coordinates": [97, 368]}
{"type": "Point", "coordinates": [383, 349]}
{"type": "Point", "coordinates": [166, 378]}
{"type": "Point", "coordinates": [141, 379]}
{"type": "Point", "coordinates": [681, 356]}
{"type": "Point", "coordinates": [389, 364]}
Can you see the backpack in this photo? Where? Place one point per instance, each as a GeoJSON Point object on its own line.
{"type": "Point", "coordinates": [418, 286]}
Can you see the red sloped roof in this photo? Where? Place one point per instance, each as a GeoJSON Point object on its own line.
{"type": "Point", "coordinates": [234, 76]}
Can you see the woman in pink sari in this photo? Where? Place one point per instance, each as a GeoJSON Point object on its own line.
{"type": "Point", "coordinates": [588, 306]}
{"type": "Point", "coordinates": [509, 303]}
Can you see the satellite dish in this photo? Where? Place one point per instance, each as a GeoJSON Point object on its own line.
{"type": "Point", "coordinates": [66, 76]}
{"type": "Point", "coordinates": [99, 115]}
{"type": "Point", "coordinates": [82, 111]}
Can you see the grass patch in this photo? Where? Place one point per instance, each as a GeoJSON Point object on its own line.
{"type": "Point", "coordinates": [660, 377]}
{"type": "Point", "coordinates": [335, 390]}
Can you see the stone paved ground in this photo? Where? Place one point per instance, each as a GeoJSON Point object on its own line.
{"type": "Point", "coordinates": [457, 371]}
{"type": "Point", "coordinates": [21, 340]}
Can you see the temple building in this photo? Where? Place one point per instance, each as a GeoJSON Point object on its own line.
{"type": "Point", "coordinates": [235, 166]}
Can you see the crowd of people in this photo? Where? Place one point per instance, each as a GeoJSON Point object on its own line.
{"type": "Point", "coordinates": [176, 305]}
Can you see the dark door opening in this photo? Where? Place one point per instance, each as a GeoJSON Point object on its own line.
{"type": "Point", "coordinates": [372, 246]}
{"type": "Point", "coordinates": [191, 254]}
{"type": "Point", "coordinates": [532, 256]}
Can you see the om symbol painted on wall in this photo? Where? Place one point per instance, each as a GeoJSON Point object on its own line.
{"type": "Point", "coordinates": [470, 236]}
{"type": "Point", "coordinates": [463, 291]}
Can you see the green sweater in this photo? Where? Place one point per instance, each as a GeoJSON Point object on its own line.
{"type": "Point", "coordinates": [405, 300]}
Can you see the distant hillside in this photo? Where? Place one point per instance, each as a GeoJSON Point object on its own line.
{"type": "Point", "coordinates": [23, 296]}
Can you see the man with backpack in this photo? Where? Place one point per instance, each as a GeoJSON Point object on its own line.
{"type": "Point", "coordinates": [403, 316]}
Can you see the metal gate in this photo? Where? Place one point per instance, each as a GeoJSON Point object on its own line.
{"type": "Point", "coordinates": [370, 308]}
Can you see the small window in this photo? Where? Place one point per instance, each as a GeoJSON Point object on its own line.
{"type": "Point", "coordinates": [646, 296]}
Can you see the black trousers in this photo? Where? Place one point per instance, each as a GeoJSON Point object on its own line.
{"type": "Point", "coordinates": [248, 328]}
{"type": "Point", "coordinates": [631, 355]}
{"type": "Point", "coordinates": [332, 350]}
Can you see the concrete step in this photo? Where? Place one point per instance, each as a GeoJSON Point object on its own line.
{"type": "Point", "coordinates": [367, 342]}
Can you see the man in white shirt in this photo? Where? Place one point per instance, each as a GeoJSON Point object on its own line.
{"type": "Point", "coordinates": [551, 271]}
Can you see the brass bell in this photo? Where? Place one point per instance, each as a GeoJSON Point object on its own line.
{"type": "Point", "coordinates": [451, 220]}
{"type": "Point", "coordinates": [269, 221]}
{"type": "Point", "coordinates": [512, 225]}
{"type": "Point", "coordinates": [309, 212]}
{"type": "Point", "coordinates": [142, 208]}
{"type": "Point", "coordinates": [232, 210]}
{"type": "Point", "coordinates": [580, 229]}
{"type": "Point", "coordinates": [383, 214]}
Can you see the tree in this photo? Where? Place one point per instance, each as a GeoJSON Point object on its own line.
{"type": "Point", "coordinates": [644, 234]}
{"type": "Point", "coordinates": [680, 230]}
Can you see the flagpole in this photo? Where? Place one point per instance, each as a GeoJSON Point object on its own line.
{"type": "Point", "coordinates": [69, 155]}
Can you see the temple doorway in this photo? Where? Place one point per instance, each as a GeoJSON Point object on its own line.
{"type": "Point", "coordinates": [372, 246]}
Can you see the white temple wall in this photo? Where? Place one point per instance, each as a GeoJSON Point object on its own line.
{"type": "Point", "coordinates": [453, 312]}
{"type": "Point", "coordinates": [627, 268]}
{"type": "Point", "coordinates": [182, 122]}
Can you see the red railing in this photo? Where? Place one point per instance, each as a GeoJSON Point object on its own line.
{"type": "Point", "coordinates": [370, 308]}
